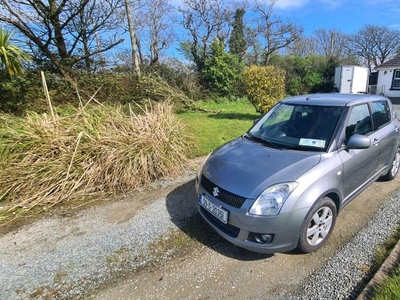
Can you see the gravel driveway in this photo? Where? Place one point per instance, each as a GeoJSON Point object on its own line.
{"type": "Point", "coordinates": [100, 252]}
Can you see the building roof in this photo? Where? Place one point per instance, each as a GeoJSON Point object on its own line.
{"type": "Point", "coordinates": [391, 63]}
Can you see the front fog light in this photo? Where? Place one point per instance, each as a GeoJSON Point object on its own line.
{"type": "Point", "coordinates": [263, 238]}
{"type": "Point", "coordinates": [260, 238]}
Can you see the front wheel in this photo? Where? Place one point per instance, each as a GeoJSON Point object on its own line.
{"type": "Point", "coordinates": [394, 168]}
{"type": "Point", "coordinates": [318, 225]}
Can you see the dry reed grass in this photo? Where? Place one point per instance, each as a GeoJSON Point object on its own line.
{"type": "Point", "coordinates": [46, 159]}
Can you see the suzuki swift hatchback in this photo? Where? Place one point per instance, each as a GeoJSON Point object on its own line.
{"type": "Point", "coordinates": [282, 184]}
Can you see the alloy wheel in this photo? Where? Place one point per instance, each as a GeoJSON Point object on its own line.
{"type": "Point", "coordinates": [320, 226]}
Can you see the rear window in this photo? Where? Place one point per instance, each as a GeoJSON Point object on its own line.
{"type": "Point", "coordinates": [360, 121]}
{"type": "Point", "coordinates": [380, 113]}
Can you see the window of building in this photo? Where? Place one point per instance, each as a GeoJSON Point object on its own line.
{"type": "Point", "coordinates": [396, 79]}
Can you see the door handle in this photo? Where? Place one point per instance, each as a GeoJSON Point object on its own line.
{"type": "Point", "coordinates": [376, 142]}
{"type": "Point", "coordinates": [396, 128]}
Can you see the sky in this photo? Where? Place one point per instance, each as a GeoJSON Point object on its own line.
{"type": "Point", "coordinates": [345, 15]}
{"type": "Point", "coordinates": [348, 16]}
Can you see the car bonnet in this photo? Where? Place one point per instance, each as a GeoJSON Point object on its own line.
{"type": "Point", "coordinates": [246, 168]}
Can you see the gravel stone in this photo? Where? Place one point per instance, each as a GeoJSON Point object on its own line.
{"type": "Point", "coordinates": [61, 258]}
{"type": "Point", "coordinates": [344, 275]}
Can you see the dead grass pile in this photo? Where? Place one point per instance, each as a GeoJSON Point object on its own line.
{"type": "Point", "coordinates": [46, 159]}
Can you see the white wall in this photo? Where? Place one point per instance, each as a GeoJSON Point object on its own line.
{"type": "Point", "coordinates": [360, 80]}
{"type": "Point", "coordinates": [385, 83]}
{"type": "Point", "coordinates": [351, 79]}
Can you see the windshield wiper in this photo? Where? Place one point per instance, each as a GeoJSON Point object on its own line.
{"type": "Point", "coordinates": [301, 147]}
{"type": "Point", "coordinates": [262, 141]}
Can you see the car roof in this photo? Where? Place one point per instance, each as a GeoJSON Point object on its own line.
{"type": "Point", "coordinates": [332, 99]}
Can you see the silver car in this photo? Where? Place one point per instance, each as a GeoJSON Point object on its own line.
{"type": "Point", "coordinates": [282, 184]}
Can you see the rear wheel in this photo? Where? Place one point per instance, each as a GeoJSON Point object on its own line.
{"type": "Point", "coordinates": [318, 225]}
{"type": "Point", "coordinates": [394, 169]}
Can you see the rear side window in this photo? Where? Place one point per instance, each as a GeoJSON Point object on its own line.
{"type": "Point", "coordinates": [359, 122]}
{"type": "Point", "coordinates": [380, 113]}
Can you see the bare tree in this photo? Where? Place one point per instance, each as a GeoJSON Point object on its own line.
{"type": "Point", "coordinates": [89, 29]}
{"type": "Point", "coordinates": [303, 47]}
{"type": "Point", "coordinates": [331, 43]}
{"type": "Point", "coordinates": [64, 31]}
{"type": "Point", "coordinates": [255, 49]}
{"type": "Point", "coordinates": [275, 32]}
{"type": "Point", "coordinates": [205, 20]}
{"type": "Point", "coordinates": [375, 44]}
{"type": "Point", "coordinates": [156, 27]}
{"type": "Point", "coordinates": [133, 38]}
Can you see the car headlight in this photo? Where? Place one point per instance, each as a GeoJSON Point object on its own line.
{"type": "Point", "coordinates": [270, 202]}
{"type": "Point", "coordinates": [200, 169]}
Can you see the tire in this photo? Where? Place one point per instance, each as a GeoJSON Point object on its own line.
{"type": "Point", "coordinates": [394, 169]}
{"type": "Point", "coordinates": [318, 225]}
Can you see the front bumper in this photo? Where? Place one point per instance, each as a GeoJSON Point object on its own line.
{"type": "Point", "coordinates": [281, 232]}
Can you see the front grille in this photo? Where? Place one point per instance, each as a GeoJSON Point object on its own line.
{"type": "Point", "coordinates": [224, 195]}
{"type": "Point", "coordinates": [228, 229]}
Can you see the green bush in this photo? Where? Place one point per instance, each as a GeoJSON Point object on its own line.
{"type": "Point", "coordinates": [313, 80]}
{"type": "Point", "coordinates": [179, 76]}
{"type": "Point", "coordinates": [265, 86]}
{"type": "Point", "coordinates": [294, 86]}
{"type": "Point", "coordinates": [311, 74]}
{"type": "Point", "coordinates": [25, 93]}
{"type": "Point", "coordinates": [20, 93]}
{"type": "Point", "coordinates": [222, 71]}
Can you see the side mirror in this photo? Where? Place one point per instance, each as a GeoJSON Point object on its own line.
{"type": "Point", "coordinates": [358, 141]}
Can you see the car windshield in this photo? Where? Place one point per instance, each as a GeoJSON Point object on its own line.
{"type": "Point", "coordinates": [293, 126]}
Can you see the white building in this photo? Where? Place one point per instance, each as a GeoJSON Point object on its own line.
{"type": "Point", "coordinates": [389, 78]}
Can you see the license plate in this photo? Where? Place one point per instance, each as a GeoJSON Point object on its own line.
{"type": "Point", "coordinates": [218, 212]}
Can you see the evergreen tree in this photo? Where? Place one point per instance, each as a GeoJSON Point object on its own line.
{"type": "Point", "coordinates": [237, 42]}
{"type": "Point", "coordinates": [222, 70]}
{"type": "Point", "coordinates": [329, 74]}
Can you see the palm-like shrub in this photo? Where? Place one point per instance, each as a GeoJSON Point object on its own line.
{"type": "Point", "coordinates": [11, 56]}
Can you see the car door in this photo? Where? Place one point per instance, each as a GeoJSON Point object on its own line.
{"type": "Point", "coordinates": [386, 132]}
{"type": "Point", "coordinates": [359, 165]}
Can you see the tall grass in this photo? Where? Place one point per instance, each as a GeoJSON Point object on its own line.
{"type": "Point", "coordinates": [47, 159]}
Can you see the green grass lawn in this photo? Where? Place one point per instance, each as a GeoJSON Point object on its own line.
{"type": "Point", "coordinates": [228, 120]}
{"type": "Point", "coordinates": [389, 288]}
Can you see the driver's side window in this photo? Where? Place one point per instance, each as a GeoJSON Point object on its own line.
{"type": "Point", "coordinates": [282, 114]}
{"type": "Point", "coordinates": [359, 122]}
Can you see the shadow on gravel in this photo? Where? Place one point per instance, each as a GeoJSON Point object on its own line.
{"type": "Point", "coordinates": [181, 206]}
